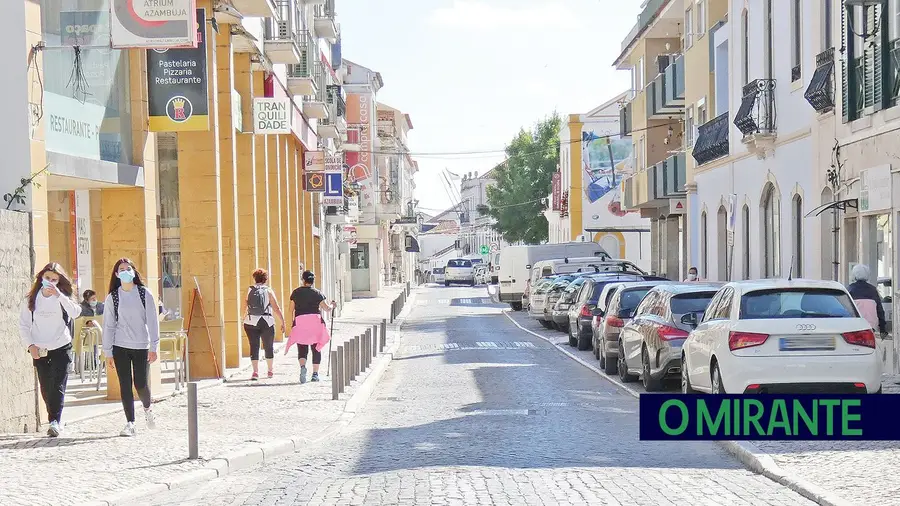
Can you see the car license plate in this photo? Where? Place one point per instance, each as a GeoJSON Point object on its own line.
{"type": "Point", "coordinates": [806, 343]}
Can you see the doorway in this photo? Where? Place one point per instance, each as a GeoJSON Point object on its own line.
{"type": "Point", "coordinates": [360, 278]}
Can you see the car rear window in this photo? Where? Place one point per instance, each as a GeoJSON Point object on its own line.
{"type": "Point", "coordinates": [691, 302]}
{"type": "Point", "coordinates": [797, 303]}
{"type": "Point", "coordinates": [630, 299]}
{"type": "Point", "coordinates": [438, 270]}
{"type": "Point", "coordinates": [459, 263]}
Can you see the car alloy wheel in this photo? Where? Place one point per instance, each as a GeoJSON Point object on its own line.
{"type": "Point", "coordinates": [650, 384]}
{"type": "Point", "coordinates": [716, 383]}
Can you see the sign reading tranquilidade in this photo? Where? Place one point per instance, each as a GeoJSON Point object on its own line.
{"type": "Point", "coordinates": [160, 24]}
{"type": "Point", "coordinates": [178, 94]}
{"type": "Point", "coordinates": [271, 116]}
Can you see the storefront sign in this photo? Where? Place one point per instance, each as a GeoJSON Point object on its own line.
{"type": "Point", "coordinates": [557, 191]}
{"type": "Point", "coordinates": [271, 116]}
{"type": "Point", "coordinates": [875, 192]}
{"type": "Point", "coordinates": [564, 205]}
{"type": "Point", "coordinates": [237, 111]}
{"type": "Point", "coordinates": [177, 86]}
{"type": "Point", "coordinates": [83, 258]}
{"type": "Point", "coordinates": [353, 209]}
{"type": "Point", "coordinates": [350, 235]}
{"type": "Point", "coordinates": [362, 172]}
{"type": "Point", "coordinates": [334, 163]}
{"type": "Point", "coordinates": [314, 182]}
{"type": "Point", "coordinates": [677, 206]}
{"type": "Point", "coordinates": [154, 23]}
{"type": "Point", "coordinates": [72, 127]}
{"type": "Point", "coordinates": [314, 161]}
{"type": "Point", "coordinates": [334, 185]}
{"type": "Point", "coordinates": [84, 28]}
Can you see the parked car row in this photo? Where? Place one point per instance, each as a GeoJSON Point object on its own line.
{"type": "Point", "coordinates": [762, 336]}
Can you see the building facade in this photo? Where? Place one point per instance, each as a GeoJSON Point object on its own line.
{"type": "Point", "coordinates": [195, 162]}
{"type": "Point", "coordinates": [586, 196]}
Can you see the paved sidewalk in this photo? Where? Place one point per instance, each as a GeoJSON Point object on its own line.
{"type": "Point", "coordinates": [866, 473]}
{"type": "Point", "coordinates": [90, 462]}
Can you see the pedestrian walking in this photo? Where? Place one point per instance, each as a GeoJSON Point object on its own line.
{"type": "Point", "coordinates": [45, 330]}
{"type": "Point", "coordinates": [259, 322]}
{"type": "Point", "coordinates": [131, 339]}
{"type": "Point", "coordinates": [308, 328]}
{"type": "Point", "coordinates": [867, 298]}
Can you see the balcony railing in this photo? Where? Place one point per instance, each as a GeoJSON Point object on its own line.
{"type": "Point", "coordinates": [668, 177]}
{"type": "Point", "coordinates": [335, 98]}
{"type": "Point", "coordinates": [820, 92]}
{"type": "Point", "coordinates": [757, 113]}
{"type": "Point", "coordinates": [665, 94]}
{"type": "Point", "coordinates": [625, 121]}
{"type": "Point", "coordinates": [712, 141]}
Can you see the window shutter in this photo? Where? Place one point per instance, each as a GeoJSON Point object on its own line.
{"type": "Point", "coordinates": [846, 85]}
{"type": "Point", "coordinates": [879, 56]}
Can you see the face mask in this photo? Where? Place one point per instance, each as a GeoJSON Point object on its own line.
{"type": "Point", "coordinates": [692, 277]}
{"type": "Point", "coordinates": [47, 283]}
{"type": "Point", "coordinates": [126, 276]}
{"type": "Point", "coordinates": [92, 303]}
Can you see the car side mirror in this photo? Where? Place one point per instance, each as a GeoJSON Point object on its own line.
{"type": "Point", "coordinates": [690, 319]}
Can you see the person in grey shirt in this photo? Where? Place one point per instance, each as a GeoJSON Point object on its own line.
{"type": "Point", "coordinates": [131, 338]}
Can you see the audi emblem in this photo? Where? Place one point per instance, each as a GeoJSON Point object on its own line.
{"type": "Point", "coordinates": [806, 326]}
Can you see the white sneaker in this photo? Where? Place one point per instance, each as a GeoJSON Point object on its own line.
{"type": "Point", "coordinates": [128, 431]}
{"type": "Point", "coordinates": [54, 429]}
{"type": "Point", "coordinates": [151, 419]}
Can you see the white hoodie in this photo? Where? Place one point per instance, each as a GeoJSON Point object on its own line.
{"type": "Point", "coordinates": [45, 327]}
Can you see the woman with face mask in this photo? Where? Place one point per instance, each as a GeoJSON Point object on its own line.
{"type": "Point", "coordinates": [131, 339]}
{"type": "Point", "coordinates": [44, 327]}
{"type": "Point", "coordinates": [89, 304]}
{"type": "Point", "coordinates": [692, 276]}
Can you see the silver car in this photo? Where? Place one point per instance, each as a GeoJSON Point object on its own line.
{"type": "Point", "coordinates": [613, 317]}
{"type": "Point", "coordinates": [650, 344]}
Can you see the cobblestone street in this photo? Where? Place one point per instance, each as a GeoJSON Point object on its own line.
{"type": "Point", "coordinates": [475, 411]}
{"type": "Point", "coordinates": [90, 461]}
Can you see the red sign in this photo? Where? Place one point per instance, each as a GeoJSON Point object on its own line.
{"type": "Point", "coordinates": [564, 205]}
{"type": "Point", "coordinates": [557, 191]}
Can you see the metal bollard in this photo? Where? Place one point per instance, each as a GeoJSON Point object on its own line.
{"type": "Point", "coordinates": [335, 389]}
{"type": "Point", "coordinates": [362, 354]}
{"type": "Point", "coordinates": [347, 366]}
{"type": "Point", "coordinates": [355, 357]}
{"type": "Point", "coordinates": [193, 422]}
{"type": "Point", "coordinates": [367, 348]}
{"type": "Point", "coordinates": [340, 371]}
{"type": "Point", "coordinates": [393, 310]}
{"type": "Point", "coordinates": [374, 340]}
{"type": "Point", "coordinates": [383, 335]}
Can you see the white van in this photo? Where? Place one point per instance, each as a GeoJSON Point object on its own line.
{"type": "Point", "coordinates": [584, 264]}
{"type": "Point", "coordinates": [515, 271]}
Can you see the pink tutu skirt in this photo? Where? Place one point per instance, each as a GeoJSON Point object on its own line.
{"type": "Point", "coordinates": [308, 329]}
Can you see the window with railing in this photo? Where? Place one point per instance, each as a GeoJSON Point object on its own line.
{"type": "Point", "coordinates": [712, 140]}
{"type": "Point", "coordinates": [756, 114]}
{"type": "Point", "coordinates": [820, 92]}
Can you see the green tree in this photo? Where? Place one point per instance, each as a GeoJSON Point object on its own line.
{"type": "Point", "coordinates": [523, 180]}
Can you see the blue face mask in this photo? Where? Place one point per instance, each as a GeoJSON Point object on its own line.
{"type": "Point", "coordinates": [126, 276]}
{"type": "Point", "coordinates": [47, 284]}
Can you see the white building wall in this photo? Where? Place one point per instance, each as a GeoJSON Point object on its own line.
{"type": "Point", "coordinates": [16, 124]}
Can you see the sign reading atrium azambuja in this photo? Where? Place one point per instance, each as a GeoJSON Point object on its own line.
{"type": "Point", "coordinates": [271, 116]}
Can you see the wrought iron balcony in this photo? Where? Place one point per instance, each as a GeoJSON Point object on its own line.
{"type": "Point", "coordinates": [712, 140]}
{"type": "Point", "coordinates": [757, 112]}
{"type": "Point", "coordinates": [820, 92]}
{"type": "Point", "coordinates": [323, 21]}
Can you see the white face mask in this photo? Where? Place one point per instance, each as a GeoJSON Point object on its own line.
{"type": "Point", "coordinates": [692, 277]}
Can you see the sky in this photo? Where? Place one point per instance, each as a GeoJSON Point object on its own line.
{"type": "Point", "coordinates": [471, 73]}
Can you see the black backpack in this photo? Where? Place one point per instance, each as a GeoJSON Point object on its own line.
{"type": "Point", "coordinates": [258, 301]}
{"type": "Point", "coordinates": [115, 297]}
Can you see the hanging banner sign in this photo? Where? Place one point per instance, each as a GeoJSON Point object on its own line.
{"type": "Point", "coordinates": [334, 163]}
{"type": "Point", "coordinates": [271, 116]}
{"type": "Point", "coordinates": [334, 185]}
{"type": "Point", "coordinates": [314, 161]}
{"type": "Point", "coordinates": [177, 86]}
{"type": "Point", "coordinates": [314, 182]}
{"type": "Point", "coordinates": [160, 24]}
{"type": "Point", "coordinates": [557, 191]}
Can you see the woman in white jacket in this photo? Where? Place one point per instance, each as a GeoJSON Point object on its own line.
{"type": "Point", "coordinates": [45, 330]}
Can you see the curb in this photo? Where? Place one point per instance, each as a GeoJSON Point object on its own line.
{"type": "Point", "coordinates": [221, 465]}
{"type": "Point", "coordinates": [746, 453]}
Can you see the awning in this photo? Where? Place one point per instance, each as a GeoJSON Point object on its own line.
{"type": "Point", "coordinates": [412, 245]}
{"type": "Point", "coordinates": [839, 204]}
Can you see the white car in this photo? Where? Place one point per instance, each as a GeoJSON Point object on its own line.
{"type": "Point", "coordinates": [459, 271]}
{"type": "Point", "coordinates": [437, 275]}
{"type": "Point", "coordinates": [781, 336]}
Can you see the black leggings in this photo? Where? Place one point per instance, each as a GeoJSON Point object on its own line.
{"type": "Point", "coordinates": [53, 375]}
{"type": "Point", "coordinates": [130, 361]}
{"type": "Point", "coordinates": [261, 332]}
{"type": "Point", "coordinates": [303, 351]}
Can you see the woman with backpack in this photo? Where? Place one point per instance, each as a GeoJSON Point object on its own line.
{"type": "Point", "coordinates": [131, 339]}
{"type": "Point", "coordinates": [45, 330]}
{"type": "Point", "coordinates": [259, 324]}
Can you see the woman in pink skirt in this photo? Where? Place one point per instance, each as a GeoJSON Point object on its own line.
{"type": "Point", "coordinates": [307, 305]}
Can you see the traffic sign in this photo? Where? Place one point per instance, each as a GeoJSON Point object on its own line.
{"type": "Point", "coordinates": [334, 184]}
{"type": "Point", "coordinates": [495, 247]}
{"type": "Point", "coordinates": [484, 249]}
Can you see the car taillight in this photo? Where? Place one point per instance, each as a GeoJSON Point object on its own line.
{"type": "Point", "coordinates": [860, 338]}
{"type": "Point", "coordinates": [585, 311]}
{"type": "Point", "coordinates": [740, 340]}
{"type": "Point", "coordinates": [667, 333]}
{"type": "Point", "coordinates": [615, 321]}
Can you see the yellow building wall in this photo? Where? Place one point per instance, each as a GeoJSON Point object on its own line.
{"type": "Point", "coordinates": [576, 180]}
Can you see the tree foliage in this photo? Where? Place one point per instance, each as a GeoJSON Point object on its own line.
{"type": "Point", "coordinates": [518, 200]}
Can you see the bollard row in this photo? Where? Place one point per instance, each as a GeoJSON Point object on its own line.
{"type": "Point", "coordinates": [355, 356]}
